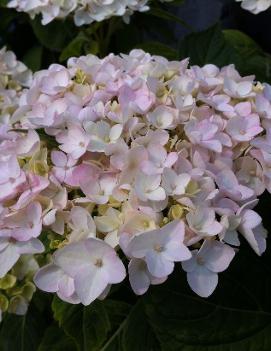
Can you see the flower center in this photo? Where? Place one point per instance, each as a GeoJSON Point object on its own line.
{"type": "Point", "coordinates": [200, 261]}
{"type": "Point", "coordinates": [98, 263]}
{"type": "Point", "coordinates": [158, 248]}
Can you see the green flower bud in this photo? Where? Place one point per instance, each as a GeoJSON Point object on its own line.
{"type": "Point", "coordinates": [18, 305]}
{"type": "Point", "coordinates": [28, 291]}
{"type": "Point", "coordinates": [3, 303]}
{"type": "Point", "coordinates": [8, 281]}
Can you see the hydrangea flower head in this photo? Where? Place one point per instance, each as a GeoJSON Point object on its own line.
{"type": "Point", "coordinates": [84, 11]}
{"type": "Point", "coordinates": [144, 161]}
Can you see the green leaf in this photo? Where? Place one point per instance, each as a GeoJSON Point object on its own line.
{"type": "Point", "coordinates": [227, 47]}
{"type": "Point", "coordinates": [107, 325]}
{"type": "Point", "coordinates": [156, 48]}
{"type": "Point", "coordinates": [89, 326]}
{"type": "Point", "coordinates": [237, 317]}
{"type": "Point", "coordinates": [177, 2]}
{"type": "Point", "coordinates": [74, 48]}
{"type": "Point", "coordinates": [33, 58]}
{"type": "Point", "coordinates": [208, 46]}
{"type": "Point", "coordinates": [257, 61]}
{"type": "Point", "coordinates": [3, 3]}
{"type": "Point", "coordinates": [55, 339]}
{"type": "Point", "coordinates": [158, 12]}
{"type": "Point", "coordinates": [56, 35]}
{"type": "Point", "coordinates": [22, 333]}
{"type": "Point", "coordinates": [134, 333]}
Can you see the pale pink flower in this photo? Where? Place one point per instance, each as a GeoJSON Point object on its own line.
{"type": "Point", "coordinates": [212, 258]}
{"type": "Point", "coordinates": [52, 278]}
{"type": "Point", "coordinates": [64, 167]}
{"type": "Point", "coordinates": [163, 117]}
{"type": "Point", "coordinates": [30, 189]}
{"type": "Point", "coordinates": [23, 224]}
{"type": "Point", "coordinates": [160, 248]}
{"type": "Point", "coordinates": [251, 228]}
{"type": "Point", "coordinates": [244, 128]}
{"type": "Point", "coordinates": [158, 159]}
{"type": "Point", "coordinates": [203, 222]}
{"type": "Point", "coordinates": [82, 224]}
{"type": "Point", "coordinates": [92, 264]}
{"type": "Point", "coordinates": [173, 183]}
{"type": "Point", "coordinates": [74, 142]}
{"type": "Point", "coordinates": [11, 177]}
{"type": "Point", "coordinates": [101, 134]}
{"type": "Point", "coordinates": [98, 189]}
{"type": "Point", "coordinates": [11, 250]}
{"type": "Point", "coordinates": [229, 185]}
{"type": "Point", "coordinates": [140, 278]}
{"type": "Point", "coordinates": [147, 187]}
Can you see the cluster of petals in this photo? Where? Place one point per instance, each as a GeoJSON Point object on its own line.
{"type": "Point", "coordinates": [83, 11]}
{"type": "Point", "coordinates": [136, 159]}
{"type": "Point", "coordinates": [14, 76]}
{"type": "Point", "coordinates": [255, 6]}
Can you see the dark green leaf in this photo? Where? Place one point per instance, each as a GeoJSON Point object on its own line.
{"type": "Point", "coordinates": [208, 46]}
{"type": "Point", "coordinates": [227, 47]}
{"type": "Point", "coordinates": [3, 3]}
{"type": "Point", "coordinates": [74, 48]}
{"type": "Point", "coordinates": [177, 2]}
{"type": "Point", "coordinates": [33, 58]}
{"type": "Point", "coordinates": [156, 48]}
{"type": "Point", "coordinates": [134, 333]}
{"type": "Point", "coordinates": [22, 333]}
{"type": "Point", "coordinates": [55, 339]}
{"type": "Point", "coordinates": [256, 60]}
{"type": "Point", "coordinates": [89, 326]}
{"type": "Point", "coordinates": [158, 12]}
{"type": "Point", "coordinates": [55, 35]}
{"type": "Point", "coordinates": [237, 317]}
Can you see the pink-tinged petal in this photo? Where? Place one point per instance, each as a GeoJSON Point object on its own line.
{"type": "Point", "coordinates": [32, 246]}
{"type": "Point", "coordinates": [149, 168]}
{"type": "Point", "coordinates": [81, 219]}
{"type": "Point", "coordinates": [202, 281]}
{"type": "Point", "coordinates": [28, 144]}
{"type": "Point", "coordinates": [50, 217]}
{"type": "Point", "coordinates": [175, 230]}
{"type": "Point", "coordinates": [66, 286]}
{"type": "Point", "coordinates": [191, 264]}
{"type": "Point", "coordinates": [141, 243]}
{"type": "Point", "coordinates": [34, 212]}
{"type": "Point", "coordinates": [250, 219]}
{"type": "Point", "coordinates": [157, 194]}
{"type": "Point", "coordinates": [216, 255]}
{"type": "Point", "coordinates": [115, 267]}
{"type": "Point", "coordinates": [72, 258]}
{"type": "Point", "coordinates": [59, 158]}
{"type": "Point", "coordinates": [171, 159]}
{"type": "Point", "coordinates": [214, 229]}
{"type": "Point", "coordinates": [256, 238]}
{"type": "Point", "coordinates": [73, 299]}
{"type": "Point", "coordinates": [89, 283]}
{"type": "Point", "coordinates": [158, 265]}
{"type": "Point", "coordinates": [138, 277]}
{"type": "Point", "coordinates": [48, 277]}
{"type": "Point", "coordinates": [177, 252]}
{"type": "Point", "coordinates": [213, 145]}
{"type": "Point", "coordinates": [8, 257]}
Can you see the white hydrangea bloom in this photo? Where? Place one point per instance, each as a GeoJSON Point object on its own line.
{"type": "Point", "coordinates": [255, 6]}
{"type": "Point", "coordinates": [14, 76]}
{"type": "Point", "coordinates": [84, 11]}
